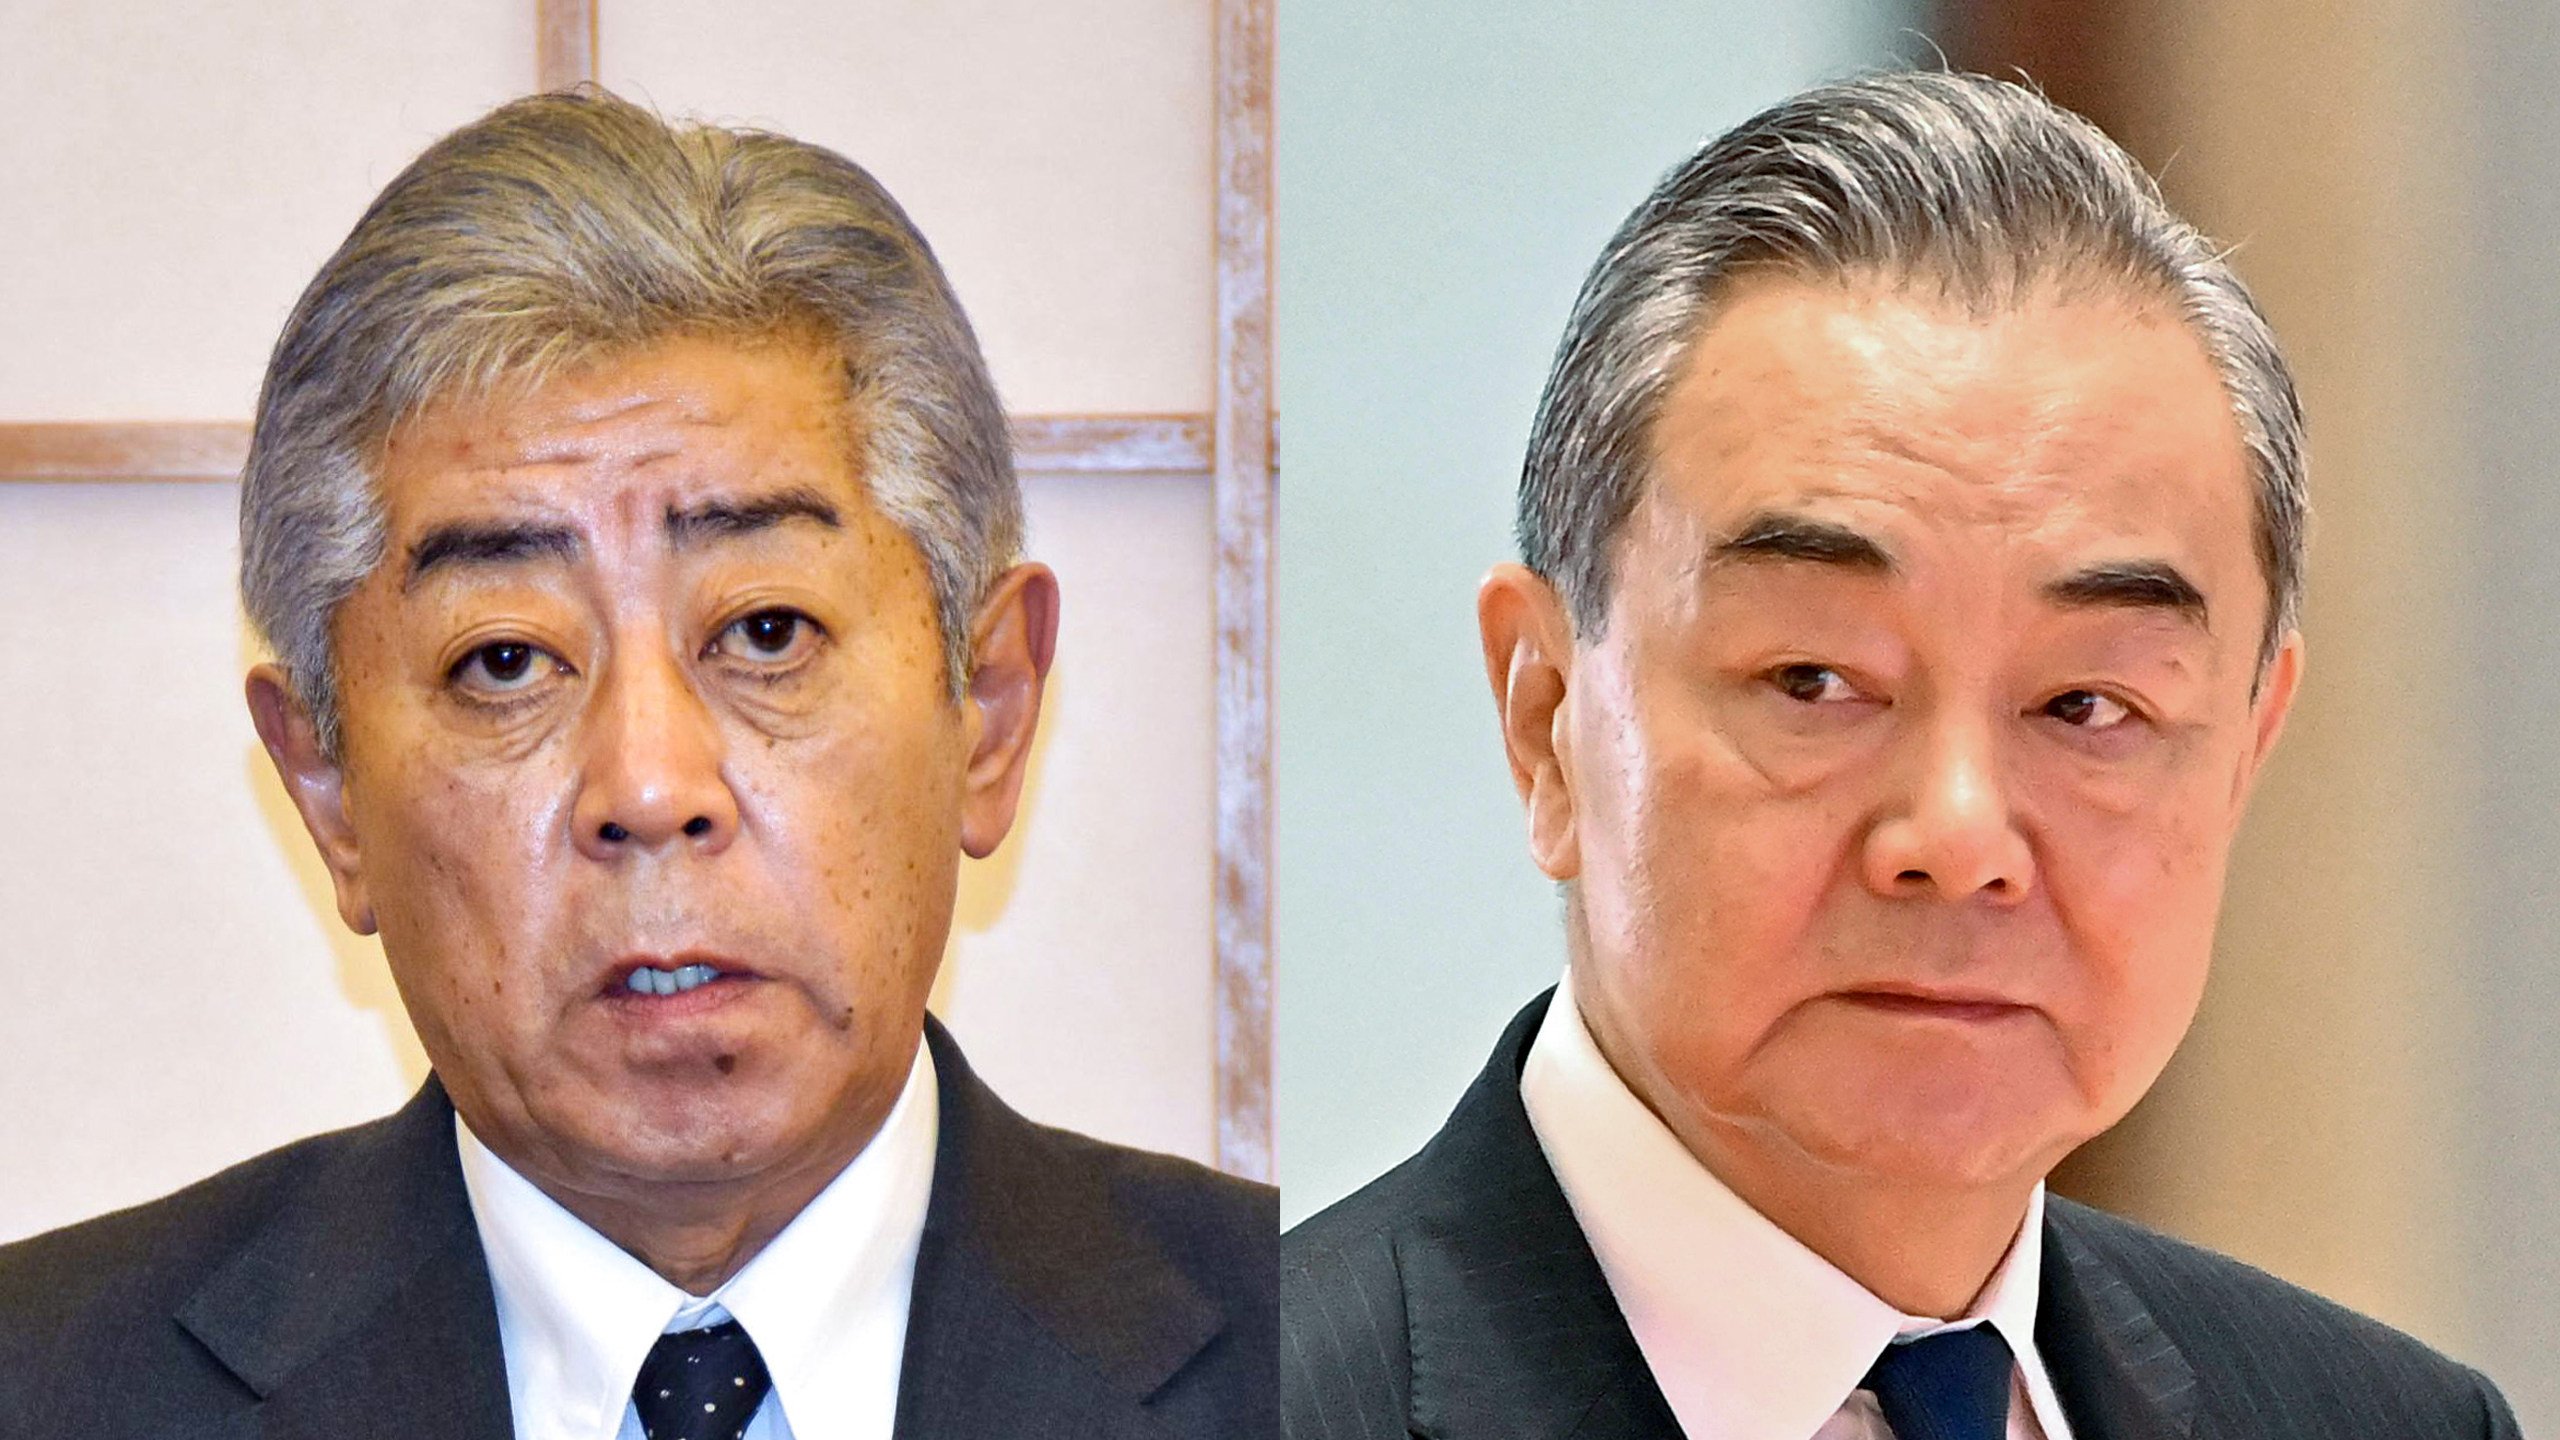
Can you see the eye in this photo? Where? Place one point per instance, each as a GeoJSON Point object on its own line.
{"type": "Point", "coordinates": [502, 666]}
{"type": "Point", "coordinates": [770, 636]}
{"type": "Point", "coordinates": [2087, 710]}
{"type": "Point", "coordinates": [1811, 684]}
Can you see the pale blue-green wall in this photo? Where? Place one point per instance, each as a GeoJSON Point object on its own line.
{"type": "Point", "coordinates": [1447, 171]}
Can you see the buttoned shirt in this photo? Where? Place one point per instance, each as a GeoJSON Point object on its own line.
{"type": "Point", "coordinates": [1749, 1334]}
{"type": "Point", "coordinates": [825, 1301]}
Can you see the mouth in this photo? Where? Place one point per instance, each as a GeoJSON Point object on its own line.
{"type": "Point", "coordinates": [1947, 1003]}
{"type": "Point", "coordinates": [662, 977]}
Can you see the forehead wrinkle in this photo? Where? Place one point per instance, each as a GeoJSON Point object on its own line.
{"type": "Point", "coordinates": [560, 429]}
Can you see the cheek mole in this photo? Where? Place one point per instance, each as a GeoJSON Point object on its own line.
{"type": "Point", "coordinates": [725, 1064]}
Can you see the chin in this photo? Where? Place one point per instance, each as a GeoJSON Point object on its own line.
{"type": "Point", "coordinates": [709, 1139]}
{"type": "Point", "coordinates": [1938, 1131]}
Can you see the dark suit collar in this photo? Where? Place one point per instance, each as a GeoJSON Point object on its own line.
{"type": "Point", "coordinates": [2118, 1376]}
{"type": "Point", "coordinates": [362, 1307]}
{"type": "Point", "coordinates": [1033, 1294]}
{"type": "Point", "coordinates": [1515, 1335]}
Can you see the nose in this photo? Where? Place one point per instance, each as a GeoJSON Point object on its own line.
{"type": "Point", "coordinates": [1950, 830]}
{"type": "Point", "coordinates": [652, 774]}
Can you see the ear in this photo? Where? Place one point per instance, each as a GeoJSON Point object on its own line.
{"type": "Point", "coordinates": [2276, 689]}
{"type": "Point", "coordinates": [1528, 658]}
{"type": "Point", "coordinates": [314, 783]}
{"type": "Point", "coordinates": [1010, 647]}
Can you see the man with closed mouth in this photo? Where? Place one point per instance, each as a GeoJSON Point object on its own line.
{"type": "Point", "coordinates": [1911, 540]}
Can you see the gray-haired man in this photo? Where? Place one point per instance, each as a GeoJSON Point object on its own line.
{"type": "Point", "coordinates": [635, 528]}
{"type": "Point", "coordinates": [1913, 531]}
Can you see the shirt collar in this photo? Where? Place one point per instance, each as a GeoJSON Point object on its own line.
{"type": "Point", "coordinates": [1748, 1333]}
{"type": "Point", "coordinates": [825, 1301]}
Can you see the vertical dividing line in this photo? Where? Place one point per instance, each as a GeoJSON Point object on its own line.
{"type": "Point", "coordinates": [564, 46]}
{"type": "Point", "coordinates": [1244, 485]}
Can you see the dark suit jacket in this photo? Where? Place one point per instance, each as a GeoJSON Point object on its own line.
{"type": "Point", "coordinates": [336, 1290]}
{"type": "Point", "coordinates": [1455, 1298]}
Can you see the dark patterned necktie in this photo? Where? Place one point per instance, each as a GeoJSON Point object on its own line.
{"type": "Point", "coordinates": [1953, 1385]}
{"type": "Point", "coordinates": [700, 1385]}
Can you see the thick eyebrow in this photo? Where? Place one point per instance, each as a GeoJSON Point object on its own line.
{"type": "Point", "coordinates": [2132, 585]}
{"type": "Point", "coordinates": [487, 542]}
{"type": "Point", "coordinates": [723, 519]}
{"type": "Point", "coordinates": [1778, 536]}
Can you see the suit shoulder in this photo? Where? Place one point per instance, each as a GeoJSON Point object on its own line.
{"type": "Point", "coordinates": [1114, 1214]}
{"type": "Point", "coordinates": [1214, 1226]}
{"type": "Point", "coordinates": [2250, 1336]}
{"type": "Point", "coordinates": [1346, 1251]}
{"type": "Point", "coordinates": [1359, 1220]}
{"type": "Point", "coordinates": [109, 1284]}
{"type": "Point", "coordinates": [158, 1246]}
{"type": "Point", "coordinates": [1345, 1353]}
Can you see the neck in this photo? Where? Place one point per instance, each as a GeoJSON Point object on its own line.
{"type": "Point", "coordinates": [696, 1233]}
{"type": "Point", "coordinates": [695, 1243]}
{"type": "Point", "coordinates": [1924, 1250]}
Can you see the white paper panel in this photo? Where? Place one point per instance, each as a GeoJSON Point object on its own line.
{"type": "Point", "coordinates": [1058, 156]}
{"type": "Point", "coordinates": [171, 176]}
{"type": "Point", "coordinates": [1080, 976]}
{"type": "Point", "coordinates": [182, 995]}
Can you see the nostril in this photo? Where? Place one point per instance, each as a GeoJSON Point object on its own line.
{"type": "Point", "coordinates": [698, 826]}
{"type": "Point", "coordinates": [612, 834]}
{"type": "Point", "coordinates": [1918, 877]}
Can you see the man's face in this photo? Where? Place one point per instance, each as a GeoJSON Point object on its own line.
{"type": "Point", "coordinates": [646, 685]}
{"type": "Point", "coordinates": [1899, 786]}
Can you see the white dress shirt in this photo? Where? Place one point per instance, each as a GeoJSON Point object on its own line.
{"type": "Point", "coordinates": [825, 1301]}
{"type": "Point", "coordinates": [1750, 1335]}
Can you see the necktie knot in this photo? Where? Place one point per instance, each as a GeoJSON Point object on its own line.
{"type": "Point", "coordinates": [1953, 1385]}
{"type": "Point", "coordinates": [700, 1384]}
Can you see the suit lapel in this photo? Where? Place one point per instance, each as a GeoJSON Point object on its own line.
{"type": "Point", "coordinates": [1036, 1312]}
{"type": "Point", "coordinates": [1514, 1333]}
{"type": "Point", "coordinates": [2118, 1376]}
{"type": "Point", "coordinates": [362, 1308]}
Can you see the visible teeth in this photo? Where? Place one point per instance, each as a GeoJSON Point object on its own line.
{"type": "Point", "coordinates": [649, 980]}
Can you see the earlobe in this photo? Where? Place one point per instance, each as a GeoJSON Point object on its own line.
{"type": "Point", "coordinates": [1528, 659]}
{"type": "Point", "coordinates": [1011, 648]}
{"type": "Point", "coordinates": [315, 783]}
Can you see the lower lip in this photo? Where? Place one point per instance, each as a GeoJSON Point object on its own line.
{"type": "Point", "coordinates": [1977, 1012]}
{"type": "Point", "coordinates": [702, 999]}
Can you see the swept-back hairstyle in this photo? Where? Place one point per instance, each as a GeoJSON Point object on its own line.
{"type": "Point", "coordinates": [1976, 189]}
{"type": "Point", "coordinates": [565, 228]}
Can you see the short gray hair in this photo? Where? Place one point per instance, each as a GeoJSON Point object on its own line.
{"type": "Point", "coordinates": [561, 229]}
{"type": "Point", "coordinates": [1978, 187]}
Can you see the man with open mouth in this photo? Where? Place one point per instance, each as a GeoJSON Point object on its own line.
{"type": "Point", "coordinates": [634, 526]}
